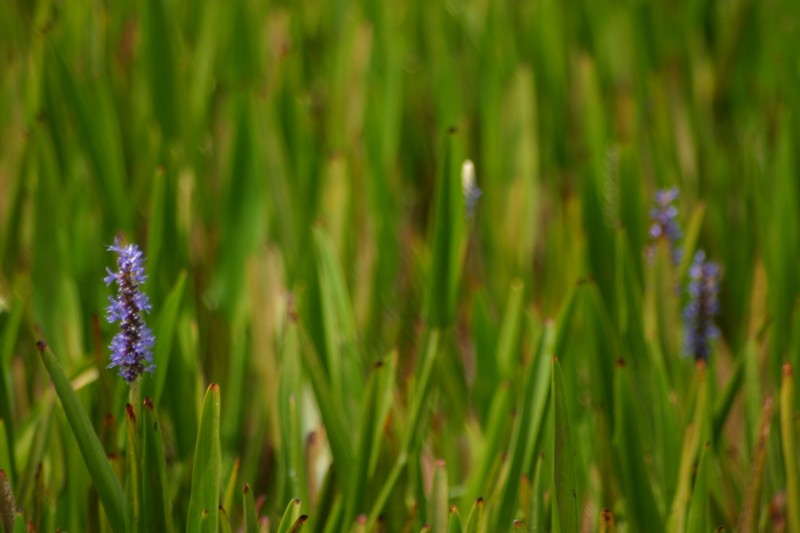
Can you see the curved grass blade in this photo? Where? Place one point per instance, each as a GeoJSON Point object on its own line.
{"type": "Point", "coordinates": [298, 524]}
{"type": "Point", "coordinates": [206, 473]}
{"type": "Point", "coordinates": [250, 516]}
{"type": "Point", "coordinates": [290, 516]}
{"type": "Point", "coordinates": [566, 489]}
{"type": "Point", "coordinates": [155, 508]}
{"type": "Point", "coordinates": [475, 518]}
{"type": "Point", "coordinates": [108, 488]}
{"type": "Point", "coordinates": [748, 519]}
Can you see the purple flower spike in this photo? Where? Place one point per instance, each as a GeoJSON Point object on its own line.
{"type": "Point", "coordinates": [664, 221]}
{"type": "Point", "coordinates": [132, 347]}
{"type": "Point", "coordinates": [703, 306]}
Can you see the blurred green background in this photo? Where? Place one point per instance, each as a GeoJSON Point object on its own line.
{"type": "Point", "coordinates": [281, 165]}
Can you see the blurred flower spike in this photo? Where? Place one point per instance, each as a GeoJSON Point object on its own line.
{"type": "Point", "coordinates": [470, 187]}
{"type": "Point", "coordinates": [664, 221]}
{"type": "Point", "coordinates": [702, 307]}
{"type": "Point", "coordinates": [132, 347]}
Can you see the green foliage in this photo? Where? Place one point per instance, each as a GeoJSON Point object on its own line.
{"type": "Point", "coordinates": [390, 359]}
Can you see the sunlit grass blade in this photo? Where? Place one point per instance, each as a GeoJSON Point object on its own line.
{"type": "Point", "coordinates": [454, 522]}
{"type": "Point", "coordinates": [692, 445]}
{"type": "Point", "coordinates": [438, 508]}
{"type": "Point", "coordinates": [290, 516]}
{"type": "Point", "coordinates": [789, 441]}
{"type": "Point", "coordinates": [475, 518]}
{"type": "Point", "coordinates": [224, 521]}
{"type": "Point", "coordinates": [230, 486]}
{"type": "Point", "coordinates": [206, 473]}
{"type": "Point", "coordinates": [250, 517]}
{"type": "Point", "coordinates": [155, 505]}
{"type": "Point", "coordinates": [108, 488]}
{"type": "Point", "coordinates": [566, 489]}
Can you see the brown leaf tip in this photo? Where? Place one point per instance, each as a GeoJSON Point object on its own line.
{"type": "Point", "coordinates": [148, 403]}
{"type": "Point", "coordinates": [41, 345]}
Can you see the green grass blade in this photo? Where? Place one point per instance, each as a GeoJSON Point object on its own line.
{"type": "Point", "coordinates": [438, 503]}
{"type": "Point", "coordinates": [20, 526]}
{"type": "Point", "coordinates": [749, 516]}
{"type": "Point", "coordinates": [788, 434]}
{"type": "Point", "coordinates": [448, 233]}
{"type": "Point", "coordinates": [454, 522]}
{"type": "Point", "coordinates": [108, 488]}
{"type": "Point", "coordinates": [206, 473]}
{"type": "Point", "coordinates": [566, 489]}
{"type": "Point", "coordinates": [155, 506]}
{"type": "Point", "coordinates": [475, 518]}
{"type": "Point", "coordinates": [8, 508]}
{"type": "Point", "coordinates": [290, 516]}
{"type": "Point", "coordinates": [698, 517]}
{"type": "Point", "coordinates": [132, 470]}
{"type": "Point", "coordinates": [250, 516]}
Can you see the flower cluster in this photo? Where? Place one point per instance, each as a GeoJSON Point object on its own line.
{"type": "Point", "coordinates": [664, 221]}
{"type": "Point", "coordinates": [132, 347]}
{"type": "Point", "coordinates": [702, 307]}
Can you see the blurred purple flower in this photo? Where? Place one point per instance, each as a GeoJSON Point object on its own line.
{"type": "Point", "coordinates": [702, 307]}
{"type": "Point", "coordinates": [664, 221]}
{"type": "Point", "coordinates": [132, 347]}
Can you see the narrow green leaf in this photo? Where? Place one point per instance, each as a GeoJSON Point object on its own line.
{"type": "Point", "coordinates": [698, 520]}
{"type": "Point", "coordinates": [108, 487]}
{"type": "Point", "coordinates": [290, 516]}
{"type": "Point", "coordinates": [132, 464]}
{"type": "Point", "coordinates": [206, 475]}
{"type": "Point", "coordinates": [630, 460]}
{"type": "Point", "coordinates": [475, 519]}
{"type": "Point", "coordinates": [164, 331]}
{"type": "Point", "coordinates": [689, 453]}
{"type": "Point", "coordinates": [224, 521]}
{"type": "Point", "coordinates": [20, 526]}
{"type": "Point", "coordinates": [789, 447]}
{"type": "Point", "coordinates": [507, 356]}
{"type": "Point", "coordinates": [298, 524]}
{"type": "Point", "coordinates": [438, 502]}
{"type": "Point", "coordinates": [155, 514]}
{"type": "Point", "coordinates": [748, 518]}
{"type": "Point", "coordinates": [454, 524]}
{"type": "Point", "coordinates": [250, 517]}
{"type": "Point", "coordinates": [6, 453]}
{"type": "Point", "coordinates": [230, 487]}
{"type": "Point", "coordinates": [448, 236]}
{"type": "Point", "coordinates": [566, 488]}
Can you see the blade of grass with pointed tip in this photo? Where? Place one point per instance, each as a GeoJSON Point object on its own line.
{"type": "Point", "coordinates": [108, 488]}
{"type": "Point", "coordinates": [230, 487]}
{"type": "Point", "coordinates": [20, 526]}
{"type": "Point", "coordinates": [475, 518]}
{"type": "Point", "coordinates": [698, 517]}
{"type": "Point", "coordinates": [695, 434]}
{"type": "Point", "coordinates": [789, 447]}
{"type": "Point", "coordinates": [454, 523]}
{"type": "Point", "coordinates": [155, 506]}
{"type": "Point", "coordinates": [566, 490]}
{"type": "Point", "coordinates": [298, 524]}
{"type": "Point", "coordinates": [528, 426]}
{"type": "Point", "coordinates": [250, 516]}
{"type": "Point", "coordinates": [438, 503]}
{"type": "Point", "coordinates": [164, 331]}
{"type": "Point", "coordinates": [8, 339]}
{"type": "Point", "coordinates": [630, 460]}
{"type": "Point", "coordinates": [206, 475]}
{"type": "Point", "coordinates": [224, 521]}
{"type": "Point", "coordinates": [448, 235]}
{"type": "Point", "coordinates": [748, 518]}
{"type": "Point", "coordinates": [290, 516]}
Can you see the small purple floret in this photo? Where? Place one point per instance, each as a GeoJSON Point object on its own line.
{"type": "Point", "coordinates": [664, 221]}
{"type": "Point", "coordinates": [132, 347]}
{"type": "Point", "coordinates": [703, 306]}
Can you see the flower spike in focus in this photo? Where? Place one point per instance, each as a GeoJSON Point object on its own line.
{"type": "Point", "coordinates": [703, 306]}
{"type": "Point", "coordinates": [132, 347]}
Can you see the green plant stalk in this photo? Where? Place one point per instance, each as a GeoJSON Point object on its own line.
{"type": "Point", "coordinates": [789, 447]}
{"type": "Point", "coordinates": [206, 475]}
{"type": "Point", "coordinates": [418, 402]}
{"type": "Point", "coordinates": [108, 488]}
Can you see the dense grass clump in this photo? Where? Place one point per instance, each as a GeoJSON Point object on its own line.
{"type": "Point", "coordinates": [473, 266]}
